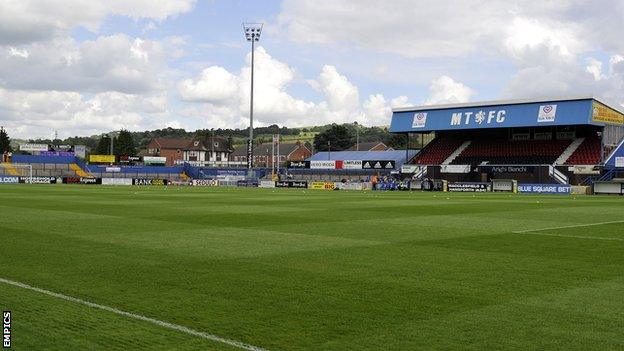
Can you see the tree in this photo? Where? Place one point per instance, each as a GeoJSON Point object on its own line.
{"type": "Point", "coordinates": [337, 137]}
{"type": "Point", "coordinates": [124, 144]}
{"type": "Point", "coordinates": [5, 142]}
{"type": "Point", "coordinates": [103, 146]}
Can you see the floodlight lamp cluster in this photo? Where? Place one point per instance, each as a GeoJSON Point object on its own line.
{"type": "Point", "coordinates": [252, 31]}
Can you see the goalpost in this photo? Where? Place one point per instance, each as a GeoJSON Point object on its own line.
{"type": "Point", "coordinates": [17, 170]}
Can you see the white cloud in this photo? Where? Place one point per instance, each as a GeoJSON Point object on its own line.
{"type": "Point", "coordinates": [214, 85]}
{"type": "Point", "coordinates": [109, 63]}
{"type": "Point", "coordinates": [26, 21]}
{"type": "Point", "coordinates": [594, 67]}
{"type": "Point", "coordinates": [445, 89]}
{"type": "Point", "coordinates": [529, 41]}
{"type": "Point", "coordinates": [28, 114]}
{"type": "Point", "coordinates": [551, 44]}
{"type": "Point", "coordinates": [226, 97]}
{"type": "Point", "coordinates": [340, 93]}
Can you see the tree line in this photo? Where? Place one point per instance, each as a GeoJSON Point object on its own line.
{"type": "Point", "coordinates": [327, 137]}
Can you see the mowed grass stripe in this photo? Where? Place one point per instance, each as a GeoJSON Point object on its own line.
{"type": "Point", "coordinates": [386, 274]}
{"type": "Point", "coordinates": [45, 322]}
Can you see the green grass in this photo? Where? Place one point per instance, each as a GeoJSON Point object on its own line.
{"type": "Point", "coordinates": [311, 270]}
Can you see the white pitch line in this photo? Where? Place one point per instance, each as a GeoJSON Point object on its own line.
{"type": "Point", "coordinates": [534, 231]}
{"type": "Point", "coordinates": [565, 227]}
{"type": "Point", "coordinates": [573, 236]}
{"type": "Point", "coordinates": [177, 327]}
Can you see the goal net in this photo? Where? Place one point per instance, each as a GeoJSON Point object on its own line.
{"type": "Point", "coordinates": [8, 170]}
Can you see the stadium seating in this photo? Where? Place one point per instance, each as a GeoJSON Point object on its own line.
{"type": "Point", "coordinates": [438, 150]}
{"type": "Point", "coordinates": [503, 151]}
{"type": "Point", "coordinates": [588, 153]}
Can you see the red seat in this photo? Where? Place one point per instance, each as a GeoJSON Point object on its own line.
{"type": "Point", "coordinates": [588, 153]}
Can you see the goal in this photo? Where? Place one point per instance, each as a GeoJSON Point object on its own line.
{"type": "Point", "coordinates": [23, 171]}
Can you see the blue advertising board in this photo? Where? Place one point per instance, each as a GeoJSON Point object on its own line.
{"type": "Point", "coordinates": [9, 180]}
{"type": "Point", "coordinates": [544, 189]}
{"type": "Point", "coordinates": [536, 114]}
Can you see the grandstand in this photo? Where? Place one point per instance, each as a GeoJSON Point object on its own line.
{"type": "Point", "coordinates": [571, 137]}
{"type": "Point", "coordinates": [71, 166]}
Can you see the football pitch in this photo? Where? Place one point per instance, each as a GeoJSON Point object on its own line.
{"type": "Point", "coordinates": [154, 268]}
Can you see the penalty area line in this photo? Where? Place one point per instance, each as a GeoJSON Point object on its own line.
{"type": "Point", "coordinates": [172, 326]}
{"type": "Point", "coordinates": [537, 231]}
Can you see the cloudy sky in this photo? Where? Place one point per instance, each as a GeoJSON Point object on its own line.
{"type": "Point", "coordinates": [85, 67]}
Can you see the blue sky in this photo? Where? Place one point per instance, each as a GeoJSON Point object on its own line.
{"type": "Point", "coordinates": [86, 67]}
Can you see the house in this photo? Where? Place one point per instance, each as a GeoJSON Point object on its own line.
{"type": "Point", "coordinates": [370, 146]}
{"type": "Point", "coordinates": [199, 152]}
{"type": "Point", "coordinates": [170, 148]}
{"type": "Point", "coordinates": [288, 151]}
{"type": "Point", "coordinates": [208, 151]}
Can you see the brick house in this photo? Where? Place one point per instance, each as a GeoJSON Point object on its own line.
{"type": "Point", "coordinates": [170, 148]}
{"type": "Point", "coordinates": [288, 151]}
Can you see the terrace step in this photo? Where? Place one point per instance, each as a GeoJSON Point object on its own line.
{"type": "Point", "coordinates": [565, 155]}
{"type": "Point", "coordinates": [457, 152]}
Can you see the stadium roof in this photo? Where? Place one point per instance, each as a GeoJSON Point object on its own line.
{"type": "Point", "coordinates": [545, 112]}
{"type": "Point", "coordinates": [612, 105]}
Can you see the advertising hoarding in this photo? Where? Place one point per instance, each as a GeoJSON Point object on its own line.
{"type": "Point", "coordinates": [604, 114]}
{"type": "Point", "coordinates": [33, 147]}
{"type": "Point", "coordinates": [102, 158]}
{"type": "Point", "coordinates": [544, 189]}
{"type": "Point", "coordinates": [468, 187]}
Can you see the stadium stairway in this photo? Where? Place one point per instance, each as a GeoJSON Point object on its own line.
{"type": "Point", "coordinates": [456, 153]}
{"type": "Point", "coordinates": [9, 169]}
{"type": "Point", "coordinates": [438, 150]}
{"type": "Point", "coordinates": [79, 171]}
{"type": "Point", "coordinates": [569, 151]}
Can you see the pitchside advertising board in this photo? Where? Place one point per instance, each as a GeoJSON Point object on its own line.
{"type": "Point", "coordinates": [544, 189]}
{"type": "Point", "coordinates": [141, 181]}
{"type": "Point", "coordinates": [572, 112]}
{"type": "Point", "coordinates": [247, 183]}
{"type": "Point", "coordinates": [38, 180]}
{"type": "Point", "coordinates": [9, 180]}
{"type": "Point", "coordinates": [116, 181]}
{"type": "Point", "coordinates": [77, 180]}
{"type": "Point", "coordinates": [469, 187]}
{"type": "Point", "coordinates": [322, 185]}
{"type": "Point", "coordinates": [205, 182]}
{"type": "Point", "coordinates": [266, 184]}
{"type": "Point", "coordinates": [291, 184]}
